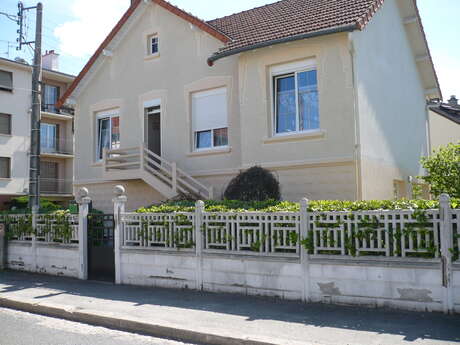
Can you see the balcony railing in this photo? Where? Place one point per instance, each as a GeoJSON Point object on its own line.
{"type": "Point", "coordinates": [55, 186]}
{"type": "Point", "coordinates": [51, 145]}
{"type": "Point", "coordinates": [64, 110]}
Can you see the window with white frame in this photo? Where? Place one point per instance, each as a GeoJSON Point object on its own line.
{"type": "Point", "coordinates": [108, 132]}
{"type": "Point", "coordinates": [153, 45]}
{"type": "Point", "coordinates": [296, 107]}
{"type": "Point", "coordinates": [210, 119]}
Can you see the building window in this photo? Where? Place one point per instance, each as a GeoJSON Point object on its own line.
{"type": "Point", "coordinates": [49, 134]}
{"type": "Point", "coordinates": [6, 81]}
{"type": "Point", "coordinates": [153, 45]}
{"type": "Point", "coordinates": [296, 100]}
{"type": "Point", "coordinates": [5, 124]}
{"type": "Point", "coordinates": [108, 133]}
{"type": "Point", "coordinates": [210, 119]}
{"type": "Point", "coordinates": [50, 96]}
{"type": "Point", "coordinates": [5, 167]}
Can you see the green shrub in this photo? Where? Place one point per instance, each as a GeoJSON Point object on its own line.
{"type": "Point", "coordinates": [287, 206]}
{"type": "Point", "coordinates": [254, 184]}
{"type": "Point", "coordinates": [21, 205]}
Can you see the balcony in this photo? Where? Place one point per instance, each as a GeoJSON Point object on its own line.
{"type": "Point", "coordinates": [58, 187]}
{"type": "Point", "coordinates": [64, 110]}
{"type": "Point", "coordinates": [52, 146]}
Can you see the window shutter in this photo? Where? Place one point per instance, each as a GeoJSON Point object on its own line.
{"type": "Point", "coordinates": [209, 109]}
{"type": "Point", "coordinates": [5, 124]}
{"type": "Point", "coordinates": [6, 80]}
{"type": "Point", "coordinates": [4, 167]}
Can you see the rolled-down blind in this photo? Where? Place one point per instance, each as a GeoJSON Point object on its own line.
{"type": "Point", "coordinates": [6, 80]}
{"type": "Point", "coordinates": [5, 124]}
{"type": "Point", "coordinates": [209, 109]}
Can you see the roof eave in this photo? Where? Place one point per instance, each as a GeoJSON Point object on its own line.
{"type": "Point", "coordinates": [324, 32]}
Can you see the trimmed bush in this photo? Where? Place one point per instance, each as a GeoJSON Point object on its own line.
{"type": "Point", "coordinates": [287, 206]}
{"type": "Point", "coordinates": [254, 184]}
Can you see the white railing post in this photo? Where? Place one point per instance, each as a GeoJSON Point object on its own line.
{"type": "Point", "coordinates": [174, 176]}
{"type": "Point", "coordinates": [104, 158]}
{"type": "Point", "coordinates": [447, 238]}
{"type": "Point", "coordinates": [141, 156]}
{"type": "Point", "coordinates": [303, 235]}
{"type": "Point", "coordinates": [199, 210]}
{"type": "Point", "coordinates": [211, 193]}
{"type": "Point", "coordinates": [83, 201]}
{"type": "Point", "coordinates": [119, 203]}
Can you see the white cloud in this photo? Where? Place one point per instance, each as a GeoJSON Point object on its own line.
{"type": "Point", "coordinates": [93, 21]}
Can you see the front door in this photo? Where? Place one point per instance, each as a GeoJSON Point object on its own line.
{"type": "Point", "coordinates": [153, 129]}
{"type": "Point", "coordinates": [101, 255]}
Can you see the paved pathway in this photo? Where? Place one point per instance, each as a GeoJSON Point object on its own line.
{"type": "Point", "coordinates": [222, 318]}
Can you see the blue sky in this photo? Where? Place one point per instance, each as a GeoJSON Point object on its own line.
{"type": "Point", "coordinates": [75, 28]}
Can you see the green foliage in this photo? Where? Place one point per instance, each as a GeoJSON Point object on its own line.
{"type": "Point", "coordinates": [254, 184]}
{"type": "Point", "coordinates": [287, 206]}
{"type": "Point", "coordinates": [443, 170]}
{"type": "Point", "coordinates": [21, 205]}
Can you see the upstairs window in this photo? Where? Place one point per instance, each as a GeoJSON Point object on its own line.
{"type": "Point", "coordinates": [6, 81]}
{"type": "Point", "coordinates": [210, 119]}
{"type": "Point", "coordinates": [50, 96]}
{"type": "Point", "coordinates": [49, 134]}
{"type": "Point", "coordinates": [153, 45]}
{"type": "Point", "coordinates": [108, 133]}
{"type": "Point", "coordinates": [5, 167]}
{"type": "Point", "coordinates": [296, 105]}
{"type": "Point", "coordinates": [5, 124]}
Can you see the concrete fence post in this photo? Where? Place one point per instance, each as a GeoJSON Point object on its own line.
{"type": "Point", "coordinates": [199, 210]}
{"type": "Point", "coordinates": [3, 258]}
{"type": "Point", "coordinates": [119, 205]}
{"type": "Point", "coordinates": [303, 234]}
{"type": "Point", "coordinates": [33, 248]}
{"type": "Point", "coordinates": [447, 243]}
{"type": "Point", "coordinates": [83, 201]}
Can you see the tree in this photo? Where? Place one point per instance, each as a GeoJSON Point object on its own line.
{"type": "Point", "coordinates": [254, 184]}
{"type": "Point", "coordinates": [443, 170]}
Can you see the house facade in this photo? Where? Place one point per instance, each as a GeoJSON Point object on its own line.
{"type": "Point", "coordinates": [334, 104]}
{"type": "Point", "coordinates": [444, 123]}
{"type": "Point", "coordinates": [56, 159]}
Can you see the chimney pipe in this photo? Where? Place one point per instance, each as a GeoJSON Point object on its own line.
{"type": "Point", "coordinates": [453, 101]}
{"type": "Point", "coordinates": [50, 60]}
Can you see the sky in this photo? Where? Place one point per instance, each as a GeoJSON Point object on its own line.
{"type": "Point", "coordinates": [75, 28]}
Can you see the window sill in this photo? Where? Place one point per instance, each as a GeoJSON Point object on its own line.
{"type": "Point", "coordinates": [319, 134]}
{"type": "Point", "coordinates": [209, 152]}
{"type": "Point", "coordinates": [151, 57]}
{"type": "Point", "coordinates": [6, 179]}
{"type": "Point", "coordinates": [97, 164]}
{"type": "Point", "coordinates": [6, 135]}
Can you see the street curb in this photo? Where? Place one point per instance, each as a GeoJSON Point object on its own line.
{"type": "Point", "coordinates": [128, 325]}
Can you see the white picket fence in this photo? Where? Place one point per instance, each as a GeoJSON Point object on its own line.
{"type": "Point", "coordinates": [395, 233]}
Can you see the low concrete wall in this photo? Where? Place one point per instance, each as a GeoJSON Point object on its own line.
{"type": "Point", "coordinates": [411, 285]}
{"type": "Point", "coordinates": [456, 284]}
{"type": "Point", "coordinates": [2, 247]}
{"type": "Point", "coordinates": [51, 259]}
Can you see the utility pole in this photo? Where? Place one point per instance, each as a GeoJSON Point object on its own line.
{"type": "Point", "coordinates": [34, 170]}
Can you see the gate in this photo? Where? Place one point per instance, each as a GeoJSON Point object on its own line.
{"type": "Point", "coordinates": [101, 256]}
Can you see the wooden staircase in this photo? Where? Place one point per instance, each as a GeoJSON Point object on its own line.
{"type": "Point", "coordinates": [164, 176]}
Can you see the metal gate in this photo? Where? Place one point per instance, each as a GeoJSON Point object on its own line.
{"type": "Point", "coordinates": [101, 257]}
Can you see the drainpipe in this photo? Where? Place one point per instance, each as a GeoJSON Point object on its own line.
{"type": "Point", "coordinates": [357, 146]}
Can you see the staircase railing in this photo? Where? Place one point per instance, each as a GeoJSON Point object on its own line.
{"type": "Point", "coordinates": [167, 172]}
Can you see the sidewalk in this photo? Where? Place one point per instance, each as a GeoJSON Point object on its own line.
{"type": "Point", "coordinates": [210, 318]}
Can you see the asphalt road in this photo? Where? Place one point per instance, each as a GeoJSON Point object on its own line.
{"type": "Point", "coordinates": [19, 328]}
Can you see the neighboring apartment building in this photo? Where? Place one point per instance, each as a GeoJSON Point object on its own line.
{"type": "Point", "coordinates": [56, 160]}
{"type": "Point", "coordinates": [330, 96]}
{"type": "Point", "coordinates": [444, 123]}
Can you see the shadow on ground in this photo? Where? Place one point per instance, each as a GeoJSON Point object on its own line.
{"type": "Point", "coordinates": [410, 326]}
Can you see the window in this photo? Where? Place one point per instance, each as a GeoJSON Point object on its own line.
{"type": "Point", "coordinates": [49, 134]}
{"type": "Point", "coordinates": [5, 124]}
{"type": "Point", "coordinates": [5, 167]}
{"type": "Point", "coordinates": [296, 100]}
{"type": "Point", "coordinates": [153, 45]}
{"type": "Point", "coordinates": [50, 96]}
{"type": "Point", "coordinates": [108, 133]}
{"type": "Point", "coordinates": [209, 119]}
{"type": "Point", "coordinates": [6, 81]}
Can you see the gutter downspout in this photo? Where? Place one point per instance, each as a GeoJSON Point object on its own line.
{"type": "Point", "coordinates": [346, 28]}
{"type": "Point", "coordinates": [357, 148]}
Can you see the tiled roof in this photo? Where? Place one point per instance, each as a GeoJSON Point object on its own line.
{"type": "Point", "coordinates": [288, 18]}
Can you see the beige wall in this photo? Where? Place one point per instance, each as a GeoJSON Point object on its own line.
{"type": "Point", "coordinates": [391, 104]}
{"type": "Point", "coordinates": [443, 131]}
